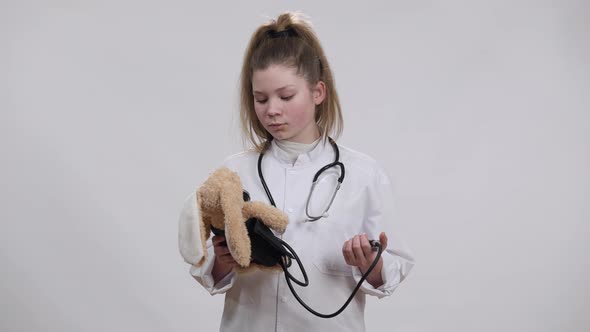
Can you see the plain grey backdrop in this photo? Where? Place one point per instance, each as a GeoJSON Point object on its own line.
{"type": "Point", "coordinates": [112, 112]}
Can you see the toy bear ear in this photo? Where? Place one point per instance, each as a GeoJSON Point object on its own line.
{"type": "Point", "coordinates": [189, 232]}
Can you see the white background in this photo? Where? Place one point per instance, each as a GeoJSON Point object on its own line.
{"type": "Point", "coordinates": [112, 112]}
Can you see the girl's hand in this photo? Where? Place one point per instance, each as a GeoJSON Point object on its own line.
{"type": "Point", "coordinates": [357, 252]}
{"type": "Point", "coordinates": [222, 254]}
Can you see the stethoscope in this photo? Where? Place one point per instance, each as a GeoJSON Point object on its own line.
{"type": "Point", "coordinates": [335, 163]}
{"type": "Point", "coordinates": [285, 262]}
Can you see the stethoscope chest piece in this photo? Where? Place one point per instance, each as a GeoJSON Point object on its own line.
{"type": "Point", "coordinates": [335, 164]}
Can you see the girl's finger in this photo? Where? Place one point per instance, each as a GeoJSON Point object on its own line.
{"type": "Point", "coordinates": [359, 256]}
{"type": "Point", "coordinates": [347, 252]}
{"type": "Point", "coordinates": [218, 239]}
{"type": "Point", "coordinates": [366, 246]}
{"type": "Point", "coordinates": [383, 240]}
{"type": "Point", "coordinates": [221, 250]}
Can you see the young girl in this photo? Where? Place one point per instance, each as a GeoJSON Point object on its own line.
{"type": "Point", "coordinates": [289, 110]}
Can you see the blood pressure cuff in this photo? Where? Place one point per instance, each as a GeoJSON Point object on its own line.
{"type": "Point", "coordinates": [266, 248]}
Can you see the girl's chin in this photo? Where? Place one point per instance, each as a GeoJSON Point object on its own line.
{"type": "Point", "coordinates": [278, 134]}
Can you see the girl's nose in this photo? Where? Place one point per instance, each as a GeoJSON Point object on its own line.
{"type": "Point", "coordinates": [274, 107]}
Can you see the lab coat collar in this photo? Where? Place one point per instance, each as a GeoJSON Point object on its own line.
{"type": "Point", "coordinates": [304, 159]}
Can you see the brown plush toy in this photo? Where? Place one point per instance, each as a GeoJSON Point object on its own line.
{"type": "Point", "coordinates": [219, 203]}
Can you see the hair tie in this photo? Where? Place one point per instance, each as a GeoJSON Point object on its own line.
{"type": "Point", "coordinates": [289, 32]}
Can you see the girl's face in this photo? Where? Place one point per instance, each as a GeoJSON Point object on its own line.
{"type": "Point", "coordinates": [285, 103]}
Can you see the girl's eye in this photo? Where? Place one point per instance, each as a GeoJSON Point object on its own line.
{"type": "Point", "coordinates": [287, 98]}
{"type": "Point", "coordinates": [261, 101]}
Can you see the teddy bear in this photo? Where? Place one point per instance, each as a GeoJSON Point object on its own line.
{"type": "Point", "coordinates": [221, 205]}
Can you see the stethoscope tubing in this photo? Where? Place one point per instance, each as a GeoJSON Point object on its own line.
{"type": "Point", "coordinates": [336, 162]}
{"type": "Point", "coordinates": [288, 276]}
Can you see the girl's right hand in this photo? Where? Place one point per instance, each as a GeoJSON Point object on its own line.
{"type": "Point", "coordinates": [222, 254]}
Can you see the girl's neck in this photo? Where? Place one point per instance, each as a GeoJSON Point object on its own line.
{"type": "Point", "coordinates": [294, 149]}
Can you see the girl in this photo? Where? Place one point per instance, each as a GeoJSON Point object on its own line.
{"type": "Point", "coordinates": [289, 110]}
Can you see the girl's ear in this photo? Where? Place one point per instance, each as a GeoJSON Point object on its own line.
{"type": "Point", "coordinates": [319, 92]}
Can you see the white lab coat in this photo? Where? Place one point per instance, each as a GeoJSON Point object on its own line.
{"type": "Point", "coordinates": [261, 300]}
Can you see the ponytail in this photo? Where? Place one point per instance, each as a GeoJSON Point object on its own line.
{"type": "Point", "coordinates": [289, 40]}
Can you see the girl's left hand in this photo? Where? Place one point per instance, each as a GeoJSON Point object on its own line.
{"type": "Point", "coordinates": [357, 251]}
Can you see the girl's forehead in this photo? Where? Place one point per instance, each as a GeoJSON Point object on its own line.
{"type": "Point", "coordinates": [275, 77]}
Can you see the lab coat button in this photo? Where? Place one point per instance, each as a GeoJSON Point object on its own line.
{"type": "Point", "coordinates": [283, 299]}
{"type": "Point", "coordinates": [290, 210]}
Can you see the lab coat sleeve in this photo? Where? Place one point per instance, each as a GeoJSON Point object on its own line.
{"type": "Point", "coordinates": [202, 274]}
{"type": "Point", "coordinates": [397, 258]}
{"type": "Point", "coordinates": [190, 246]}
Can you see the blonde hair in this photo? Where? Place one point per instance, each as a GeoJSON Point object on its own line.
{"type": "Point", "coordinates": [289, 40]}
